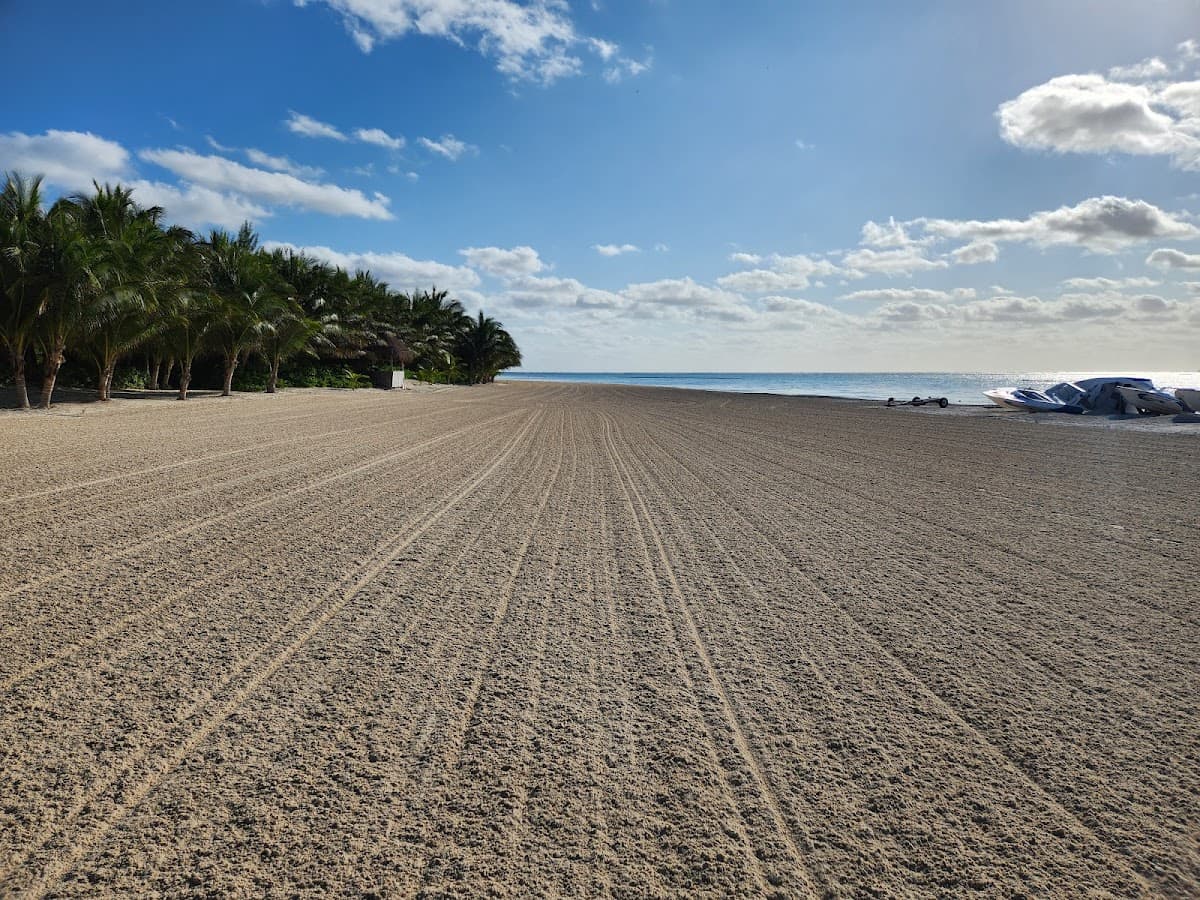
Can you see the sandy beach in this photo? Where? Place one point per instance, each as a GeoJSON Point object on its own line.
{"type": "Point", "coordinates": [538, 639]}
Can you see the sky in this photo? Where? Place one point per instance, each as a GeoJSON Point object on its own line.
{"type": "Point", "coordinates": [671, 185]}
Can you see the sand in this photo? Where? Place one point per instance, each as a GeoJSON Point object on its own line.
{"type": "Point", "coordinates": [534, 639]}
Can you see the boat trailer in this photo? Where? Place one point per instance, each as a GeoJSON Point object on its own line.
{"type": "Point", "coordinates": [942, 402]}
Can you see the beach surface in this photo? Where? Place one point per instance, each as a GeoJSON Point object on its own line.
{"type": "Point", "coordinates": [543, 639]}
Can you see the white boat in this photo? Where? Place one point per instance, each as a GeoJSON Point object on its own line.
{"type": "Point", "coordinates": [1030, 400]}
{"type": "Point", "coordinates": [1150, 400]}
{"type": "Point", "coordinates": [1189, 397]}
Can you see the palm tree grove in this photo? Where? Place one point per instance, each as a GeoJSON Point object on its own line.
{"type": "Point", "coordinates": [96, 289]}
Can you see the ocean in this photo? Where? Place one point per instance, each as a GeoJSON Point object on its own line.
{"type": "Point", "coordinates": [958, 387]}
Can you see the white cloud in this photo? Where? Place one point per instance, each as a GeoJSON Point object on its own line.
{"type": "Point", "coordinates": [380, 138]}
{"type": "Point", "coordinates": [661, 248]}
{"type": "Point", "coordinates": [887, 235]}
{"type": "Point", "coordinates": [310, 127]}
{"type": "Point", "coordinates": [745, 259]}
{"type": "Point", "coordinates": [223, 175]}
{"type": "Point", "coordinates": [1100, 224]}
{"type": "Point", "coordinates": [920, 295]}
{"type": "Point", "coordinates": [1119, 114]}
{"type": "Point", "coordinates": [976, 252]}
{"type": "Point", "coordinates": [216, 145]}
{"type": "Point", "coordinates": [448, 146]}
{"type": "Point", "coordinates": [197, 207]}
{"type": "Point", "coordinates": [901, 261]}
{"type": "Point", "coordinates": [625, 67]}
{"type": "Point", "coordinates": [1173, 259]}
{"type": "Point", "coordinates": [529, 42]}
{"type": "Point", "coordinates": [532, 292]}
{"type": "Point", "coordinates": [1143, 71]}
{"type": "Point", "coordinates": [69, 159]}
{"type": "Point", "coordinates": [1108, 284]}
{"type": "Point", "coordinates": [502, 263]}
{"type": "Point", "coordinates": [401, 272]}
{"type": "Point", "coordinates": [785, 273]}
{"type": "Point", "coordinates": [282, 164]}
{"type": "Point", "coordinates": [615, 249]}
{"type": "Point", "coordinates": [606, 50]}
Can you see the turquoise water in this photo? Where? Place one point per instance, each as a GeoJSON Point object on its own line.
{"type": "Point", "coordinates": [959, 387]}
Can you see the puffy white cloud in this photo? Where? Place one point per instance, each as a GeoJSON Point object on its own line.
{"type": "Point", "coordinates": [1102, 224]}
{"type": "Point", "coordinates": [448, 146]}
{"type": "Point", "coordinates": [298, 123]}
{"type": "Point", "coordinates": [400, 271]}
{"type": "Point", "coordinates": [1108, 284]}
{"type": "Point", "coordinates": [1173, 259]}
{"type": "Point", "coordinates": [745, 259]}
{"type": "Point", "coordinates": [615, 249]}
{"type": "Point", "coordinates": [379, 137]}
{"type": "Point", "coordinates": [919, 295]}
{"type": "Point", "coordinates": [1143, 71]}
{"type": "Point", "coordinates": [538, 293]}
{"type": "Point", "coordinates": [901, 261]}
{"type": "Point", "coordinates": [1134, 110]}
{"type": "Point", "coordinates": [502, 263]}
{"type": "Point", "coordinates": [282, 164]}
{"type": "Point", "coordinates": [197, 207]}
{"type": "Point", "coordinates": [529, 42]}
{"type": "Point", "coordinates": [975, 253]}
{"type": "Point", "coordinates": [220, 174]}
{"type": "Point", "coordinates": [785, 273]}
{"type": "Point", "coordinates": [606, 50]}
{"type": "Point", "coordinates": [887, 235]}
{"type": "Point", "coordinates": [682, 292]}
{"type": "Point", "coordinates": [68, 159]}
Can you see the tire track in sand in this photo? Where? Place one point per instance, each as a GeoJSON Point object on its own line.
{"type": "Point", "coordinates": [452, 755]}
{"type": "Point", "coordinates": [128, 797]}
{"type": "Point", "coordinates": [272, 500]}
{"type": "Point", "coordinates": [645, 525]}
{"type": "Point", "coordinates": [114, 628]}
{"type": "Point", "coordinates": [994, 750]}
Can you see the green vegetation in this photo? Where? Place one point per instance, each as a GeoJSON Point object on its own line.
{"type": "Point", "coordinates": [96, 283]}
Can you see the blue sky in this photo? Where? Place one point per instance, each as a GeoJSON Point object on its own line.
{"type": "Point", "coordinates": [669, 185]}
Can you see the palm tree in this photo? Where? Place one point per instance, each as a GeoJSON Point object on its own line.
{"type": "Point", "coordinates": [122, 319]}
{"type": "Point", "coordinates": [246, 293]}
{"type": "Point", "coordinates": [22, 228]}
{"type": "Point", "coordinates": [290, 332]}
{"type": "Point", "coordinates": [485, 348]}
{"type": "Point", "coordinates": [75, 270]}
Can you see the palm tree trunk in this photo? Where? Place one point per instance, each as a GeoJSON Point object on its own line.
{"type": "Point", "coordinates": [109, 369]}
{"type": "Point", "coordinates": [273, 378]}
{"type": "Point", "coordinates": [54, 361]}
{"type": "Point", "coordinates": [185, 377]}
{"type": "Point", "coordinates": [152, 381]}
{"type": "Point", "coordinates": [166, 382]}
{"type": "Point", "coordinates": [230, 364]}
{"type": "Point", "coordinates": [19, 379]}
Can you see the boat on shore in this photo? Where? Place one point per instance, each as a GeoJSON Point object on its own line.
{"type": "Point", "coordinates": [1029, 400]}
{"type": "Point", "coordinates": [1150, 401]}
{"type": "Point", "coordinates": [1098, 396]}
{"type": "Point", "coordinates": [1189, 397]}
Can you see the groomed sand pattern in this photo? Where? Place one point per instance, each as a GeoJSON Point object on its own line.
{"type": "Point", "coordinates": [546, 639]}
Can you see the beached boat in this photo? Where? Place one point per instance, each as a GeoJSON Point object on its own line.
{"type": "Point", "coordinates": [1030, 400]}
{"type": "Point", "coordinates": [1189, 397]}
{"type": "Point", "coordinates": [1150, 400]}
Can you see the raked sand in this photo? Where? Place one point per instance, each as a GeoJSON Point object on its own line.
{"type": "Point", "coordinates": [578, 640]}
